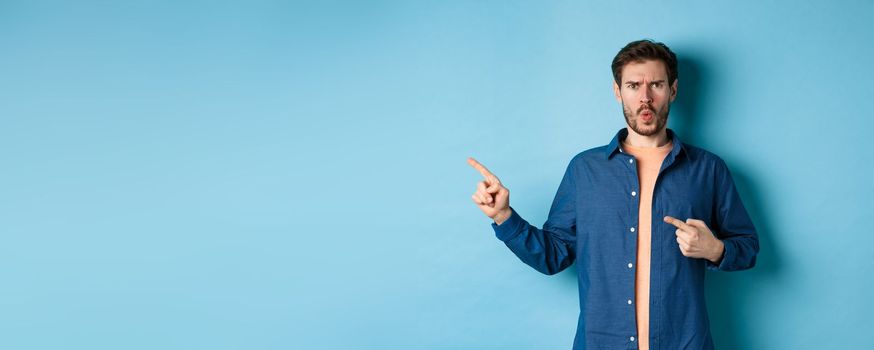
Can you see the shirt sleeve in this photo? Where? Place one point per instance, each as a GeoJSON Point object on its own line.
{"type": "Point", "coordinates": [551, 249]}
{"type": "Point", "coordinates": [732, 225]}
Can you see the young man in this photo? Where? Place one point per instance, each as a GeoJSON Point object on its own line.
{"type": "Point", "coordinates": [642, 217]}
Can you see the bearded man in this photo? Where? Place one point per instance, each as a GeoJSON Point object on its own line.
{"type": "Point", "coordinates": [641, 217]}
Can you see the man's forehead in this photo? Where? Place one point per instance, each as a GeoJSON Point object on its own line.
{"type": "Point", "coordinates": [649, 70]}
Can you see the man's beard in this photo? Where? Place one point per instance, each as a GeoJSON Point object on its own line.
{"type": "Point", "coordinates": [633, 120]}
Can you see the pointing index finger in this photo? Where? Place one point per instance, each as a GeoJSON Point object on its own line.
{"type": "Point", "coordinates": [482, 169]}
{"type": "Point", "coordinates": [679, 224]}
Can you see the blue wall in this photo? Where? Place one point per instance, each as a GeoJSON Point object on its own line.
{"type": "Point", "coordinates": [281, 175]}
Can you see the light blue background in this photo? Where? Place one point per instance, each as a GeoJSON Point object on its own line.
{"type": "Point", "coordinates": [291, 175]}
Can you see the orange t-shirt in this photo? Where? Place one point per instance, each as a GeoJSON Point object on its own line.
{"type": "Point", "coordinates": [649, 161]}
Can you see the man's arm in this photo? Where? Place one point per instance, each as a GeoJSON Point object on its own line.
{"type": "Point", "coordinates": [732, 225]}
{"type": "Point", "coordinates": [733, 243]}
{"type": "Point", "coordinates": [549, 250]}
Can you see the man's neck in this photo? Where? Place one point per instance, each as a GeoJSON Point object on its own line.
{"type": "Point", "coordinates": [657, 140]}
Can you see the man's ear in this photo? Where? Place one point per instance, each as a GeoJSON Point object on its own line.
{"type": "Point", "coordinates": [674, 90]}
{"type": "Point", "coordinates": [616, 92]}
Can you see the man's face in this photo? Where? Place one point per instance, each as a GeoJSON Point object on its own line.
{"type": "Point", "coordinates": [645, 96]}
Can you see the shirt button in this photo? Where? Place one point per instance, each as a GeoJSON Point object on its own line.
{"type": "Point", "coordinates": [630, 265]}
{"type": "Point", "coordinates": [631, 160]}
{"type": "Point", "coordinates": [632, 229]}
{"type": "Point", "coordinates": [633, 193]}
{"type": "Point", "coordinates": [632, 338]}
{"type": "Point", "coordinates": [629, 301]}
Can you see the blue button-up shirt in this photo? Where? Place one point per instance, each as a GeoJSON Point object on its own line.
{"type": "Point", "coordinates": [592, 222]}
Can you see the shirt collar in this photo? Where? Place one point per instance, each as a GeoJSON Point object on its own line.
{"type": "Point", "coordinates": [613, 147]}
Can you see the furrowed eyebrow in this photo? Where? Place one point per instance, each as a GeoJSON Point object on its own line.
{"type": "Point", "coordinates": [661, 81]}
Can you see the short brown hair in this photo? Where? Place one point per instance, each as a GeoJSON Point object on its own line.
{"type": "Point", "coordinates": [642, 50]}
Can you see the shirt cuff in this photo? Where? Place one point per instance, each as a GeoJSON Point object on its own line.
{"type": "Point", "coordinates": [510, 227]}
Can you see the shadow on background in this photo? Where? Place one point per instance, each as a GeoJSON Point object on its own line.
{"type": "Point", "coordinates": [729, 294]}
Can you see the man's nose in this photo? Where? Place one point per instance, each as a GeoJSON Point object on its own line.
{"type": "Point", "coordinates": [645, 95]}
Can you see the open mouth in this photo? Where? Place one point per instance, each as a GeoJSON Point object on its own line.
{"type": "Point", "coordinates": [646, 115]}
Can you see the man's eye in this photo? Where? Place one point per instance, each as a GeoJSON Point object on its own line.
{"type": "Point", "coordinates": [656, 85]}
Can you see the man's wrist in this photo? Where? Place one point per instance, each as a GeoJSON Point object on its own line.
{"type": "Point", "coordinates": [502, 216]}
{"type": "Point", "coordinates": [716, 258]}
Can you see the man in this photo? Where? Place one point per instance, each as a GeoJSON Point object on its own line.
{"type": "Point", "coordinates": [642, 217]}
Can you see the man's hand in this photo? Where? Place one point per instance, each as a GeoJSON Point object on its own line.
{"type": "Point", "coordinates": [696, 240]}
{"type": "Point", "coordinates": [491, 197]}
